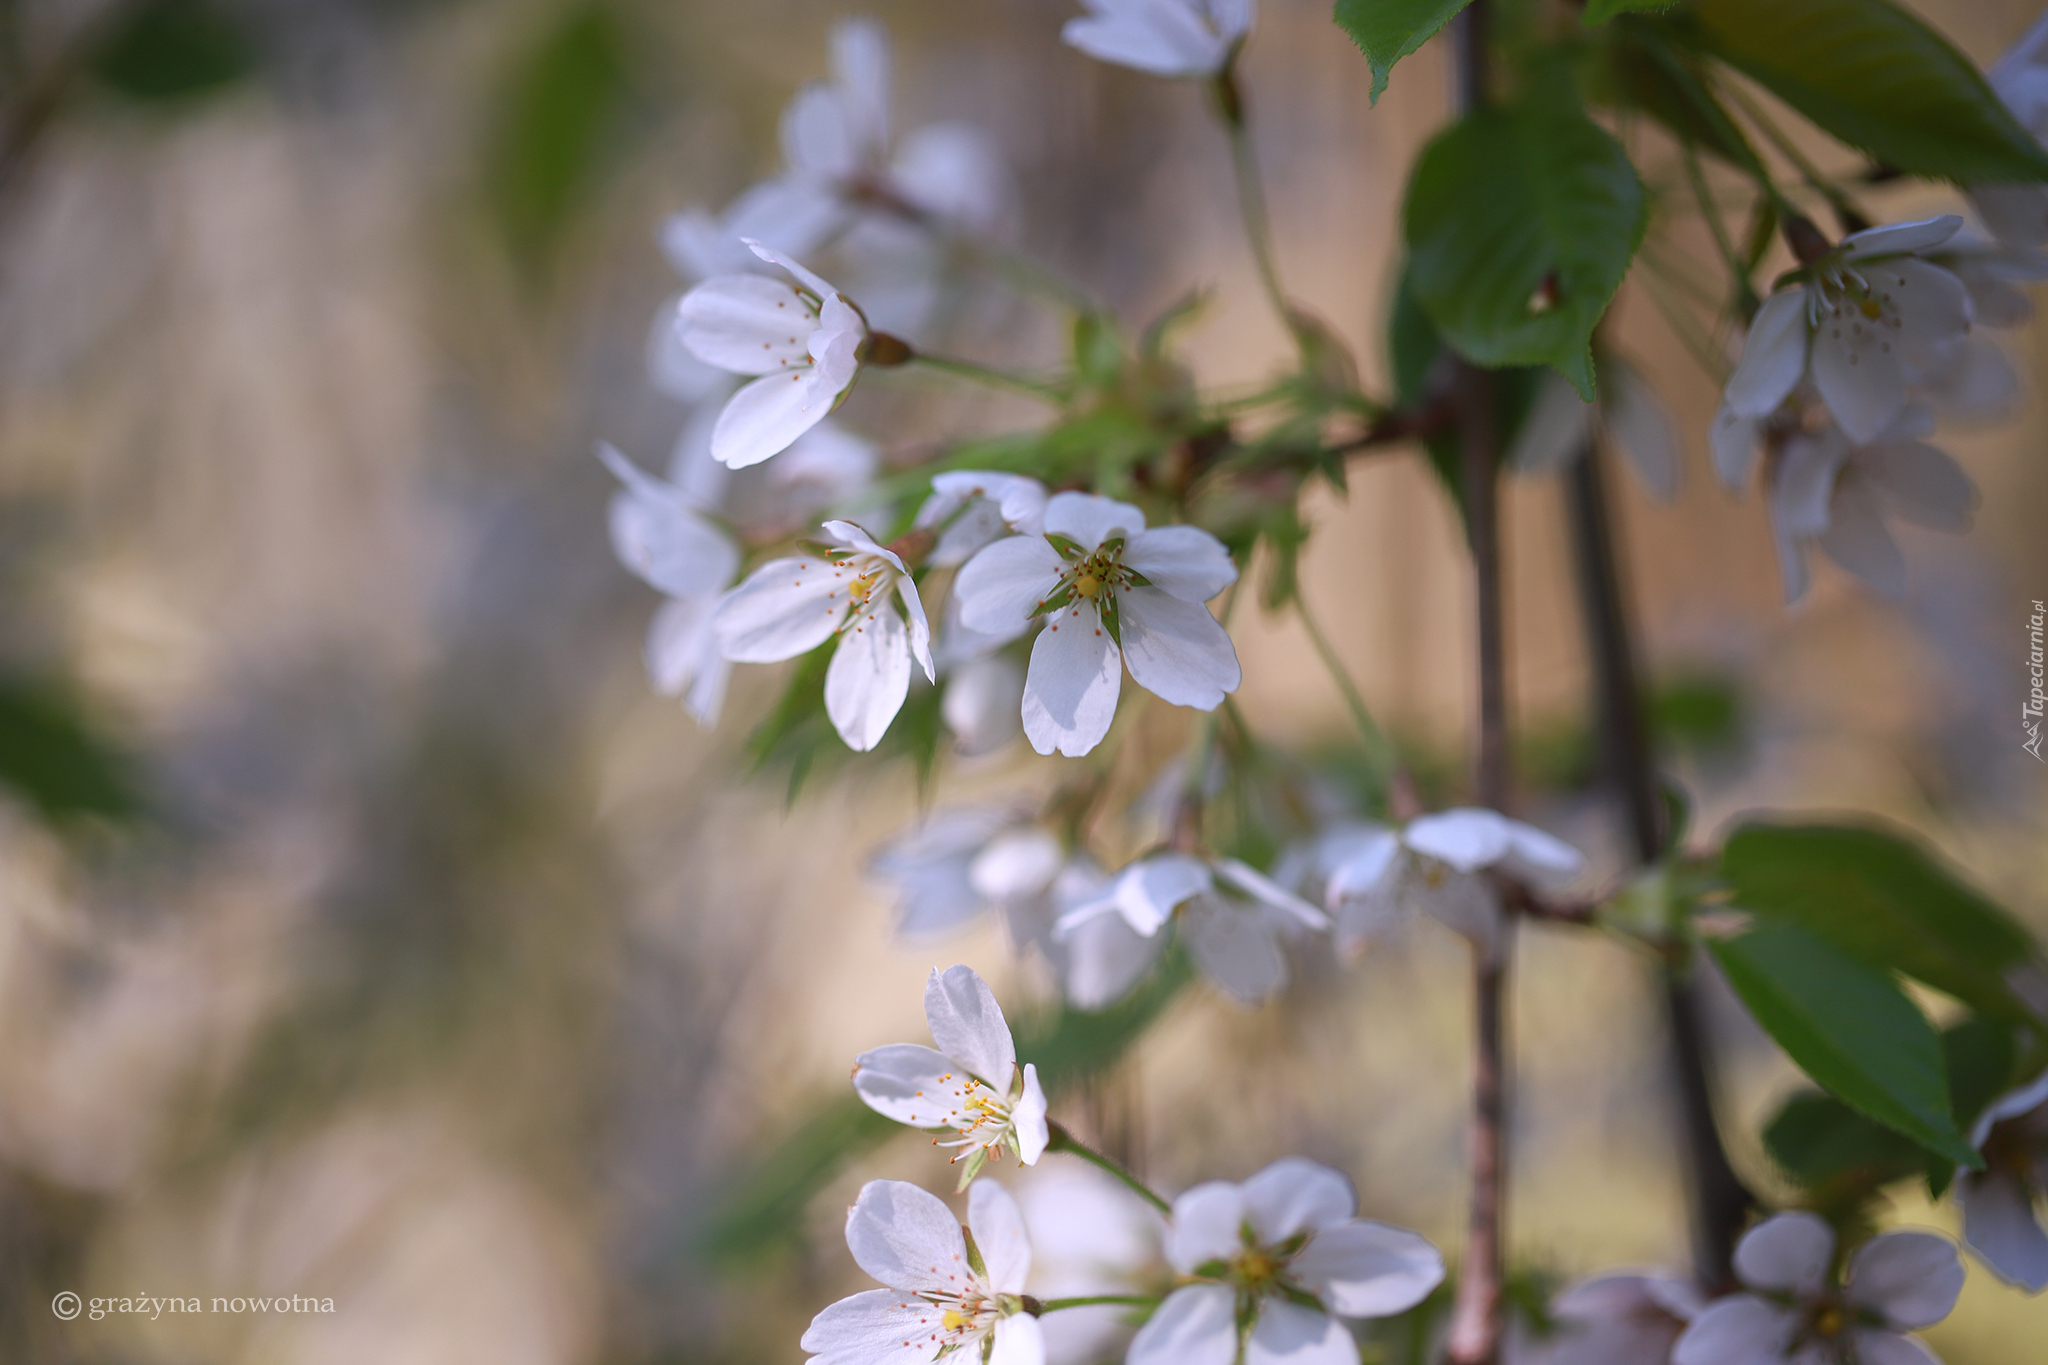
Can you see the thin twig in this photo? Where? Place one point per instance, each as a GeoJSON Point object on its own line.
{"type": "Point", "coordinates": [1063, 1141]}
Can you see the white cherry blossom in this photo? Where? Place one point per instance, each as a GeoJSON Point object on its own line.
{"type": "Point", "coordinates": [791, 606]}
{"type": "Point", "coordinates": [970, 1084]}
{"type": "Point", "coordinates": [936, 1301]}
{"type": "Point", "coordinates": [2019, 213]}
{"type": "Point", "coordinates": [1090, 1235]}
{"type": "Point", "coordinates": [1164, 37]}
{"type": "Point", "coordinates": [1256, 1251]}
{"type": "Point", "coordinates": [1837, 495]}
{"type": "Point", "coordinates": [1111, 593]}
{"type": "Point", "coordinates": [803, 341]}
{"type": "Point", "coordinates": [971, 508]}
{"type": "Point", "coordinates": [1866, 323]}
{"type": "Point", "coordinates": [2002, 1203]}
{"type": "Point", "coordinates": [1896, 1283]}
{"type": "Point", "coordinates": [1231, 916]}
{"type": "Point", "coordinates": [956, 865]}
{"type": "Point", "coordinates": [1616, 1320]}
{"type": "Point", "coordinates": [661, 534]}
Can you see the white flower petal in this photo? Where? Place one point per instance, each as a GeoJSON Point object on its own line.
{"type": "Point", "coordinates": [683, 658]}
{"type": "Point", "coordinates": [817, 142]}
{"type": "Point", "coordinates": [1176, 650]}
{"type": "Point", "coordinates": [1556, 430]}
{"type": "Point", "coordinates": [1539, 858]}
{"type": "Point", "coordinates": [1028, 1118]}
{"type": "Point", "coordinates": [1359, 864]}
{"type": "Point", "coordinates": [1088, 520]}
{"type": "Point", "coordinates": [907, 1238]}
{"type": "Point", "coordinates": [1289, 1334]}
{"type": "Point", "coordinates": [1735, 441]}
{"type": "Point", "coordinates": [1000, 587]}
{"type": "Point", "coordinates": [1018, 863]}
{"type": "Point", "coordinates": [860, 69]}
{"type": "Point", "coordinates": [1896, 238]}
{"type": "Point", "coordinates": [1264, 889]}
{"type": "Point", "coordinates": [784, 608]}
{"type": "Point", "coordinates": [1164, 37]}
{"type": "Point", "coordinates": [1185, 561]}
{"type": "Point", "coordinates": [1235, 948]}
{"type": "Point", "coordinates": [1856, 368]}
{"type": "Point", "coordinates": [1999, 1225]}
{"type": "Point", "coordinates": [868, 678]}
{"type": "Point", "coordinates": [660, 536]}
{"type": "Point", "coordinates": [1071, 687]}
{"type": "Point", "coordinates": [1148, 891]}
{"type": "Point", "coordinates": [1018, 1340]}
{"type": "Point", "coordinates": [1773, 356]}
{"type": "Point", "coordinates": [1369, 1270]}
{"type": "Point", "coordinates": [1296, 1195]}
{"type": "Point", "coordinates": [1857, 539]}
{"type": "Point", "coordinates": [1105, 958]}
{"type": "Point", "coordinates": [835, 347]}
{"type": "Point", "coordinates": [998, 1227]}
{"type": "Point", "coordinates": [2015, 214]}
{"type": "Point", "coordinates": [1464, 837]}
{"type": "Point", "coordinates": [748, 324]}
{"type": "Point", "coordinates": [670, 365]}
{"type": "Point", "coordinates": [1207, 1225]}
{"type": "Point", "coordinates": [919, 625]}
{"type": "Point", "coordinates": [1641, 426]}
{"type": "Point", "coordinates": [1933, 307]}
{"type": "Point", "coordinates": [968, 1025]}
{"type": "Point", "coordinates": [913, 1084]}
{"type": "Point", "coordinates": [1197, 1325]}
{"type": "Point", "coordinates": [793, 213]}
{"type": "Point", "coordinates": [1788, 1253]}
{"type": "Point", "coordinates": [983, 704]}
{"type": "Point", "coordinates": [1738, 1330]}
{"type": "Point", "coordinates": [767, 416]}
{"type": "Point", "coordinates": [816, 285]}
{"type": "Point", "coordinates": [877, 1327]}
{"type": "Point", "coordinates": [954, 172]}
{"type": "Point", "coordinates": [1920, 484]}
{"type": "Point", "coordinates": [1912, 1278]}
{"type": "Point", "coordinates": [1889, 1348]}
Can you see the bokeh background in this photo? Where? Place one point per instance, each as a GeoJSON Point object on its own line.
{"type": "Point", "coordinates": [369, 930]}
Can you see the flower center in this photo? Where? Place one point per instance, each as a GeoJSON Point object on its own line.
{"type": "Point", "coordinates": [965, 1316]}
{"type": "Point", "coordinates": [1257, 1268]}
{"type": "Point", "coordinates": [980, 1116]}
{"type": "Point", "coordinates": [1099, 571]}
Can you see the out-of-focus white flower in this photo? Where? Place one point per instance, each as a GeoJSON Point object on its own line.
{"type": "Point", "coordinates": [936, 1302]}
{"type": "Point", "coordinates": [1374, 879]}
{"type": "Point", "coordinates": [971, 508]}
{"type": "Point", "coordinates": [828, 469]}
{"type": "Point", "coordinates": [2019, 213]}
{"type": "Point", "coordinates": [804, 343]}
{"type": "Point", "coordinates": [1561, 426]}
{"type": "Point", "coordinates": [1232, 918]}
{"type": "Point", "coordinates": [970, 1084]}
{"type": "Point", "coordinates": [956, 865]}
{"type": "Point", "coordinates": [1090, 1235]}
{"type": "Point", "coordinates": [1164, 37]}
{"type": "Point", "coordinates": [2001, 1219]}
{"type": "Point", "coordinates": [1099, 579]}
{"type": "Point", "coordinates": [1870, 320]}
{"type": "Point", "coordinates": [1896, 1283]}
{"type": "Point", "coordinates": [1830, 492]}
{"type": "Point", "coordinates": [660, 534]}
{"type": "Point", "coordinates": [1616, 1320]}
{"type": "Point", "coordinates": [791, 606]}
{"type": "Point", "coordinates": [1261, 1253]}
{"type": "Point", "coordinates": [981, 703]}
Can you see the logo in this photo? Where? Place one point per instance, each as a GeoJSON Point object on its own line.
{"type": "Point", "coordinates": [2037, 699]}
{"type": "Point", "coordinates": [66, 1305]}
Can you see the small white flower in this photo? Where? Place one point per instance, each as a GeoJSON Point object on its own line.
{"type": "Point", "coordinates": [1260, 1253]}
{"type": "Point", "coordinates": [1896, 1283]}
{"type": "Point", "coordinates": [937, 1303]}
{"type": "Point", "coordinates": [2000, 1203]}
{"type": "Point", "coordinates": [1560, 427]}
{"type": "Point", "coordinates": [1164, 37]}
{"type": "Point", "coordinates": [971, 508]}
{"type": "Point", "coordinates": [2019, 213]}
{"type": "Point", "coordinates": [961, 862]}
{"type": "Point", "coordinates": [1232, 918]}
{"type": "Point", "coordinates": [1830, 492]}
{"type": "Point", "coordinates": [804, 343]}
{"type": "Point", "coordinates": [1616, 1320]}
{"type": "Point", "coordinates": [1375, 879]}
{"type": "Point", "coordinates": [791, 606]}
{"type": "Point", "coordinates": [1090, 1235]}
{"type": "Point", "coordinates": [1104, 579]}
{"type": "Point", "coordinates": [660, 534]}
{"type": "Point", "coordinates": [1867, 322]}
{"type": "Point", "coordinates": [970, 1084]}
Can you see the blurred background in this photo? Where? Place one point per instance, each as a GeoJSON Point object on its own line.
{"type": "Point", "coordinates": [369, 928]}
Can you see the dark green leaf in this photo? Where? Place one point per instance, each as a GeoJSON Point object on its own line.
{"type": "Point", "coordinates": [52, 756]}
{"type": "Point", "coordinates": [1880, 898]}
{"type": "Point", "coordinates": [174, 49]}
{"type": "Point", "coordinates": [1600, 11]}
{"type": "Point", "coordinates": [1835, 1152]}
{"type": "Point", "coordinates": [1520, 223]}
{"type": "Point", "coordinates": [1849, 1028]}
{"type": "Point", "coordinates": [1388, 30]}
{"type": "Point", "coordinates": [560, 109]}
{"type": "Point", "coordinates": [1645, 70]}
{"type": "Point", "coordinates": [1878, 79]}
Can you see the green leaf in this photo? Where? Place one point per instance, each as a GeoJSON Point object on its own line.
{"type": "Point", "coordinates": [54, 758]}
{"type": "Point", "coordinates": [1835, 1152]}
{"type": "Point", "coordinates": [1600, 11]}
{"type": "Point", "coordinates": [166, 50]}
{"type": "Point", "coordinates": [1883, 900]}
{"type": "Point", "coordinates": [1520, 223]}
{"type": "Point", "coordinates": [1644, 70]}
{"type": "Point", "coordinates": [1850, 1028]}
{"type": "Point", "coordinates": [1388, 30]}
{"type": "Point", "coordinates": [1879, 80]}
{"type": "Point", "coordinates": [561, 106]}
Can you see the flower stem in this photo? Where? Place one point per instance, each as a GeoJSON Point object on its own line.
{"type": "Point", "coordinates": [1745, 292]}
{"type": "Point", "coordinates": [1251, 195]}
{"type": "Point", "coordinates": [1379, 750]}
{"type": "Point", "coordinates": [982, 374]}
{"type": "Point", "coordinates": [1852, 218]}
{"type": "Point", "coordinates": [1063, 1141]}
{"type": "Point", "coordinates": [1090, 1300]}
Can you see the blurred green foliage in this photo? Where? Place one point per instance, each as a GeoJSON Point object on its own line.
{"type": "Point", "coordinates": [174, 50]}
{"type": "Point", "coordinates": [54, 757]}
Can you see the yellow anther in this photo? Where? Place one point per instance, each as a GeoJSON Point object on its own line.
{"type": "Point", "coordinates": [1087, 585]}
{"type": "Point", "coordinates": [953, 1320]}
{"type": "Point", "coordinates": [1830, 1321]}
{"type": "Point", "coordinates": [1869, 308]}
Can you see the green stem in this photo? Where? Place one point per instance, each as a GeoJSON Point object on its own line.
{"type": "Point", "coordinates": [1064, 1141]}
{"type": "Point", "coordinates": [1376, 744]}
{"type": "Point", "coordinates": [1745, 296]}
{"type": "Point", "coordinates": [1089, 1301]}
{"type": "Point", "coordinates": [982, 374]}
{"type": "Point", "coordinates": [1251, 196]}
{"type": "Point", "coordinates": [1844, 207]}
